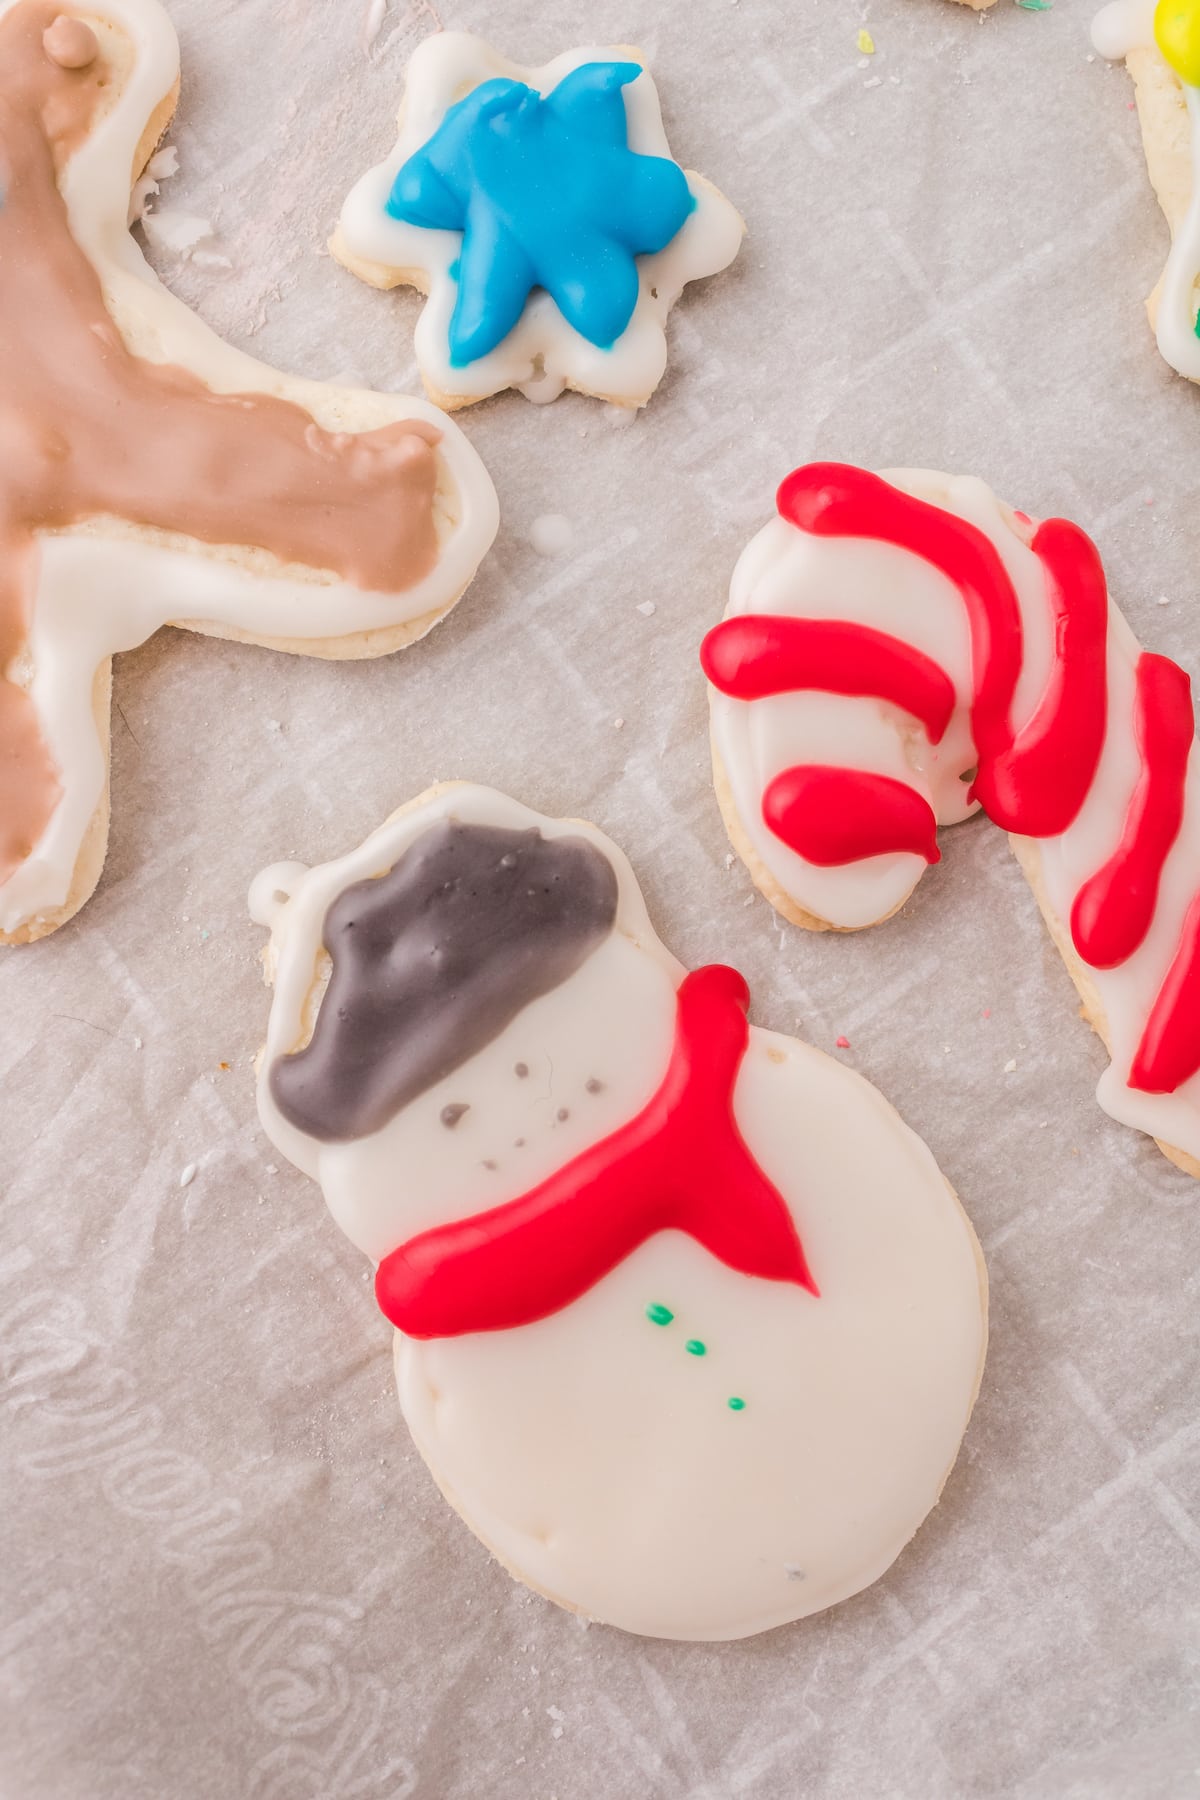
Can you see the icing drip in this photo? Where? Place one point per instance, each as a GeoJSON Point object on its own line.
{"type": "Point", "coordinates": [1034, 781]}
{"type": "Point", "coordinates": [432, 961]}
{"type": "Point", "coordinates": [88, 429]}
{"type": "Point", "coordinates": [546, 193]}
{"type": "Point", "coordinates": [680, 1165]}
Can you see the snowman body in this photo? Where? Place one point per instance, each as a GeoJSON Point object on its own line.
{"type": "Point", "coordinates": [684, 1450]}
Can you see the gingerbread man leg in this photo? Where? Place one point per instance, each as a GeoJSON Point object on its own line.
{"type": "Point", "coordinates": [899, 652]}
{"type": "Point", "coordinates": [689, 1324]}
{"type": "Point", "coordinates": [149, 474]}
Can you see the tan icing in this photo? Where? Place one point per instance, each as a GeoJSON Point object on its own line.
{"type": "Point", "coordinates": [89, 430]}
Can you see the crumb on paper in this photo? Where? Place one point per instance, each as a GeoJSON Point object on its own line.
{"type": "Point", "coordinates": [373, 21]}
{"type": "Point", "coordinates": [618, 724]}
{"type": "Point", "coordinates": [843, 1043]}
{"type": "Point", "coordinates": [647, 608]}
{"type": "Point", "coordinates": [865, 42]}
{"type": "Point", "coordinates": [188, 1176]}
{"type": "Point", "coordinates": [178, 233]}
{"type": "Point", "coordinates": [162, 165]}
{"type": "Point", "coordinates": [729, 859]}
{"type": "Point", "coordinates": [272, 1168]}
{"type": "Point", "coordinates": [1010, 1067]}
{"type": "Point", "coordinates": [551, 534]}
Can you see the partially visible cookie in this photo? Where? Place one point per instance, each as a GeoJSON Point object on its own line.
{"type": "Point", "coordinates": [899, 651]}
{"type": "Point", "coordinates": [1161, 48]}
{"type": "Point", "coordinates": [149, 473]}
{"type": "Point", "coordinates": [543, 214]}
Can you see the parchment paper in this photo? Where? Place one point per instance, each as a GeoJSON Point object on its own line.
{"type": "Point", "coordinates": [223, 1569]}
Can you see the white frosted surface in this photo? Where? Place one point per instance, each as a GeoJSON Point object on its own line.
{"type": "Point", "coordinates": [223, 1570]}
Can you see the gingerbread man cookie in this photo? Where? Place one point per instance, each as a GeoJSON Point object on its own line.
{"type": "Point", "coordinates": [688, 1323]}
{"type": "Point", "coordinates": [541, 211]}
{"type": "Point", "coordinates": [898, 653]}
{"type": "Point", "coordinates": [1161, 47]}
{"type": "Point", "coordinates": [149, 474]}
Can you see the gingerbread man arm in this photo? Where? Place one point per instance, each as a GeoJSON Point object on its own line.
{"type": "Point", "coordinates": [150, 474]}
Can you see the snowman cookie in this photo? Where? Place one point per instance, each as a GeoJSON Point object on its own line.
{"type": "Point", "coordinates": [149, 474]}
{"type": "Point", "coordinates": [688, 1323]}
{"type": "Point", "coordinates": [1160, 44]}
{"type": "Point", "coordinates": [899, 652]}
{"type": "Point", "coordinates": [542, 213]}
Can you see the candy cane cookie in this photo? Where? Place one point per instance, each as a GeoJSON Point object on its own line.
{"type": "Point", "coordinates": [543, 214]}
{"type": "Point", "coordinates": [150, 474]}
{"type": "Point", "coordinates": [1161, 48]}
{"type": "Point", "coordinates": [688, 1323]}
{"type": "Point", "coordinates": [899, 652]}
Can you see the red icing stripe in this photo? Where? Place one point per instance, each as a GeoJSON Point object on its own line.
{"type": "Point", "coordinates": [835, 816]}
{"type": "Point", "coordinates": [837, 500]}
{"type": "Point", "coordinates": [1113, 910]}
{"type": "Point", "coordinates": [1034, 782]}
{"type": "Point", "coordinates": [1169, 1053]}
{"type": "Point", "coordinates": [680, 1165]}
{"type": "Point", "coordinates": [1038, 785]}
{"type": "Point", "coordinates": [757, 655]}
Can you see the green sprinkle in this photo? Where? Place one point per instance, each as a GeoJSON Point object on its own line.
{"type": "Point", "coordinates": [659, 1315]}
{"type": "Point", "coordinates": [1036, 5]}
{"type": "Point", "coordinates": [1196, 326]}
{"type": "Point", "coordinates": [695, 1348]}
{"type": "Point", "coordinates": [736, 1404]}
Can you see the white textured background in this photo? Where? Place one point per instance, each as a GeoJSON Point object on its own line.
{"type": "Point", "coordinates": [223, 1571]}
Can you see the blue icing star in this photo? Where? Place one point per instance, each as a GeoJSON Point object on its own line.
{"type": "Point", "coordinates": [546, 193]}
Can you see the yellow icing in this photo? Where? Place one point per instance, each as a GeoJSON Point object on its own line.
{"type": "Point", "coordinates": [1177, 32]}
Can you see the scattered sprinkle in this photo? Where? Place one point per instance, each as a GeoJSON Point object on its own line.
{"type": "Point", "coordinates": [659, 1315]}
{"type": "Point", "coordinates": [226, 1066]}
{"type": "Point", "coordinates": [987, 1012]}
{"type": "Point", "coordinates": [865, 42]}
{"type": "Point", "coordinates": [736, 1404]}
{"type": "Point", "coordinates": [647, 608]}
{"type": "Point", "coordinates": [1010, 1066]}
{"type": "Point", "coordinates": [843, 1043]}
{"type": "Point", "coordinates": [1035, 5]}
{"type": "Point", "coordinates": [694, 1347]}
{"type": "Point", "coordinates": [617, 724]}
{"type": "Point", "coordinates": [188, 1175]}
{"type": "Point", "coordinates": [551, 534]}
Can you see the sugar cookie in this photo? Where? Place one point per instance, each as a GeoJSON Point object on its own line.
{"type": "Point", "coordinates": [542, 213]}
{"type": "Point", "coordinates": [899, 652]}
{"type": "Point", "coordinates": [689, 1324]}
{"type": "Point", "coordinates": [1161, 48]}
{"type": "Point", "coordinates": [149, 474]}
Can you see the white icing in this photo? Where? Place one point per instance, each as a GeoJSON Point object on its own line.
{"type": "Point", "coordinates": [1121, 27]}
{"type": "Point", "coordinates": [785, 570]}
{"type": "Point", "coordinates": [542, 355]}
{"type": "Point", "coordinates": [595, 1456]}
{"type": "Point", "coordinates": [100, 588]}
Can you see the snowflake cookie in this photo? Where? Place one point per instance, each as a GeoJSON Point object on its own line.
{"type": "Point", "coordinates": [543, 214]}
